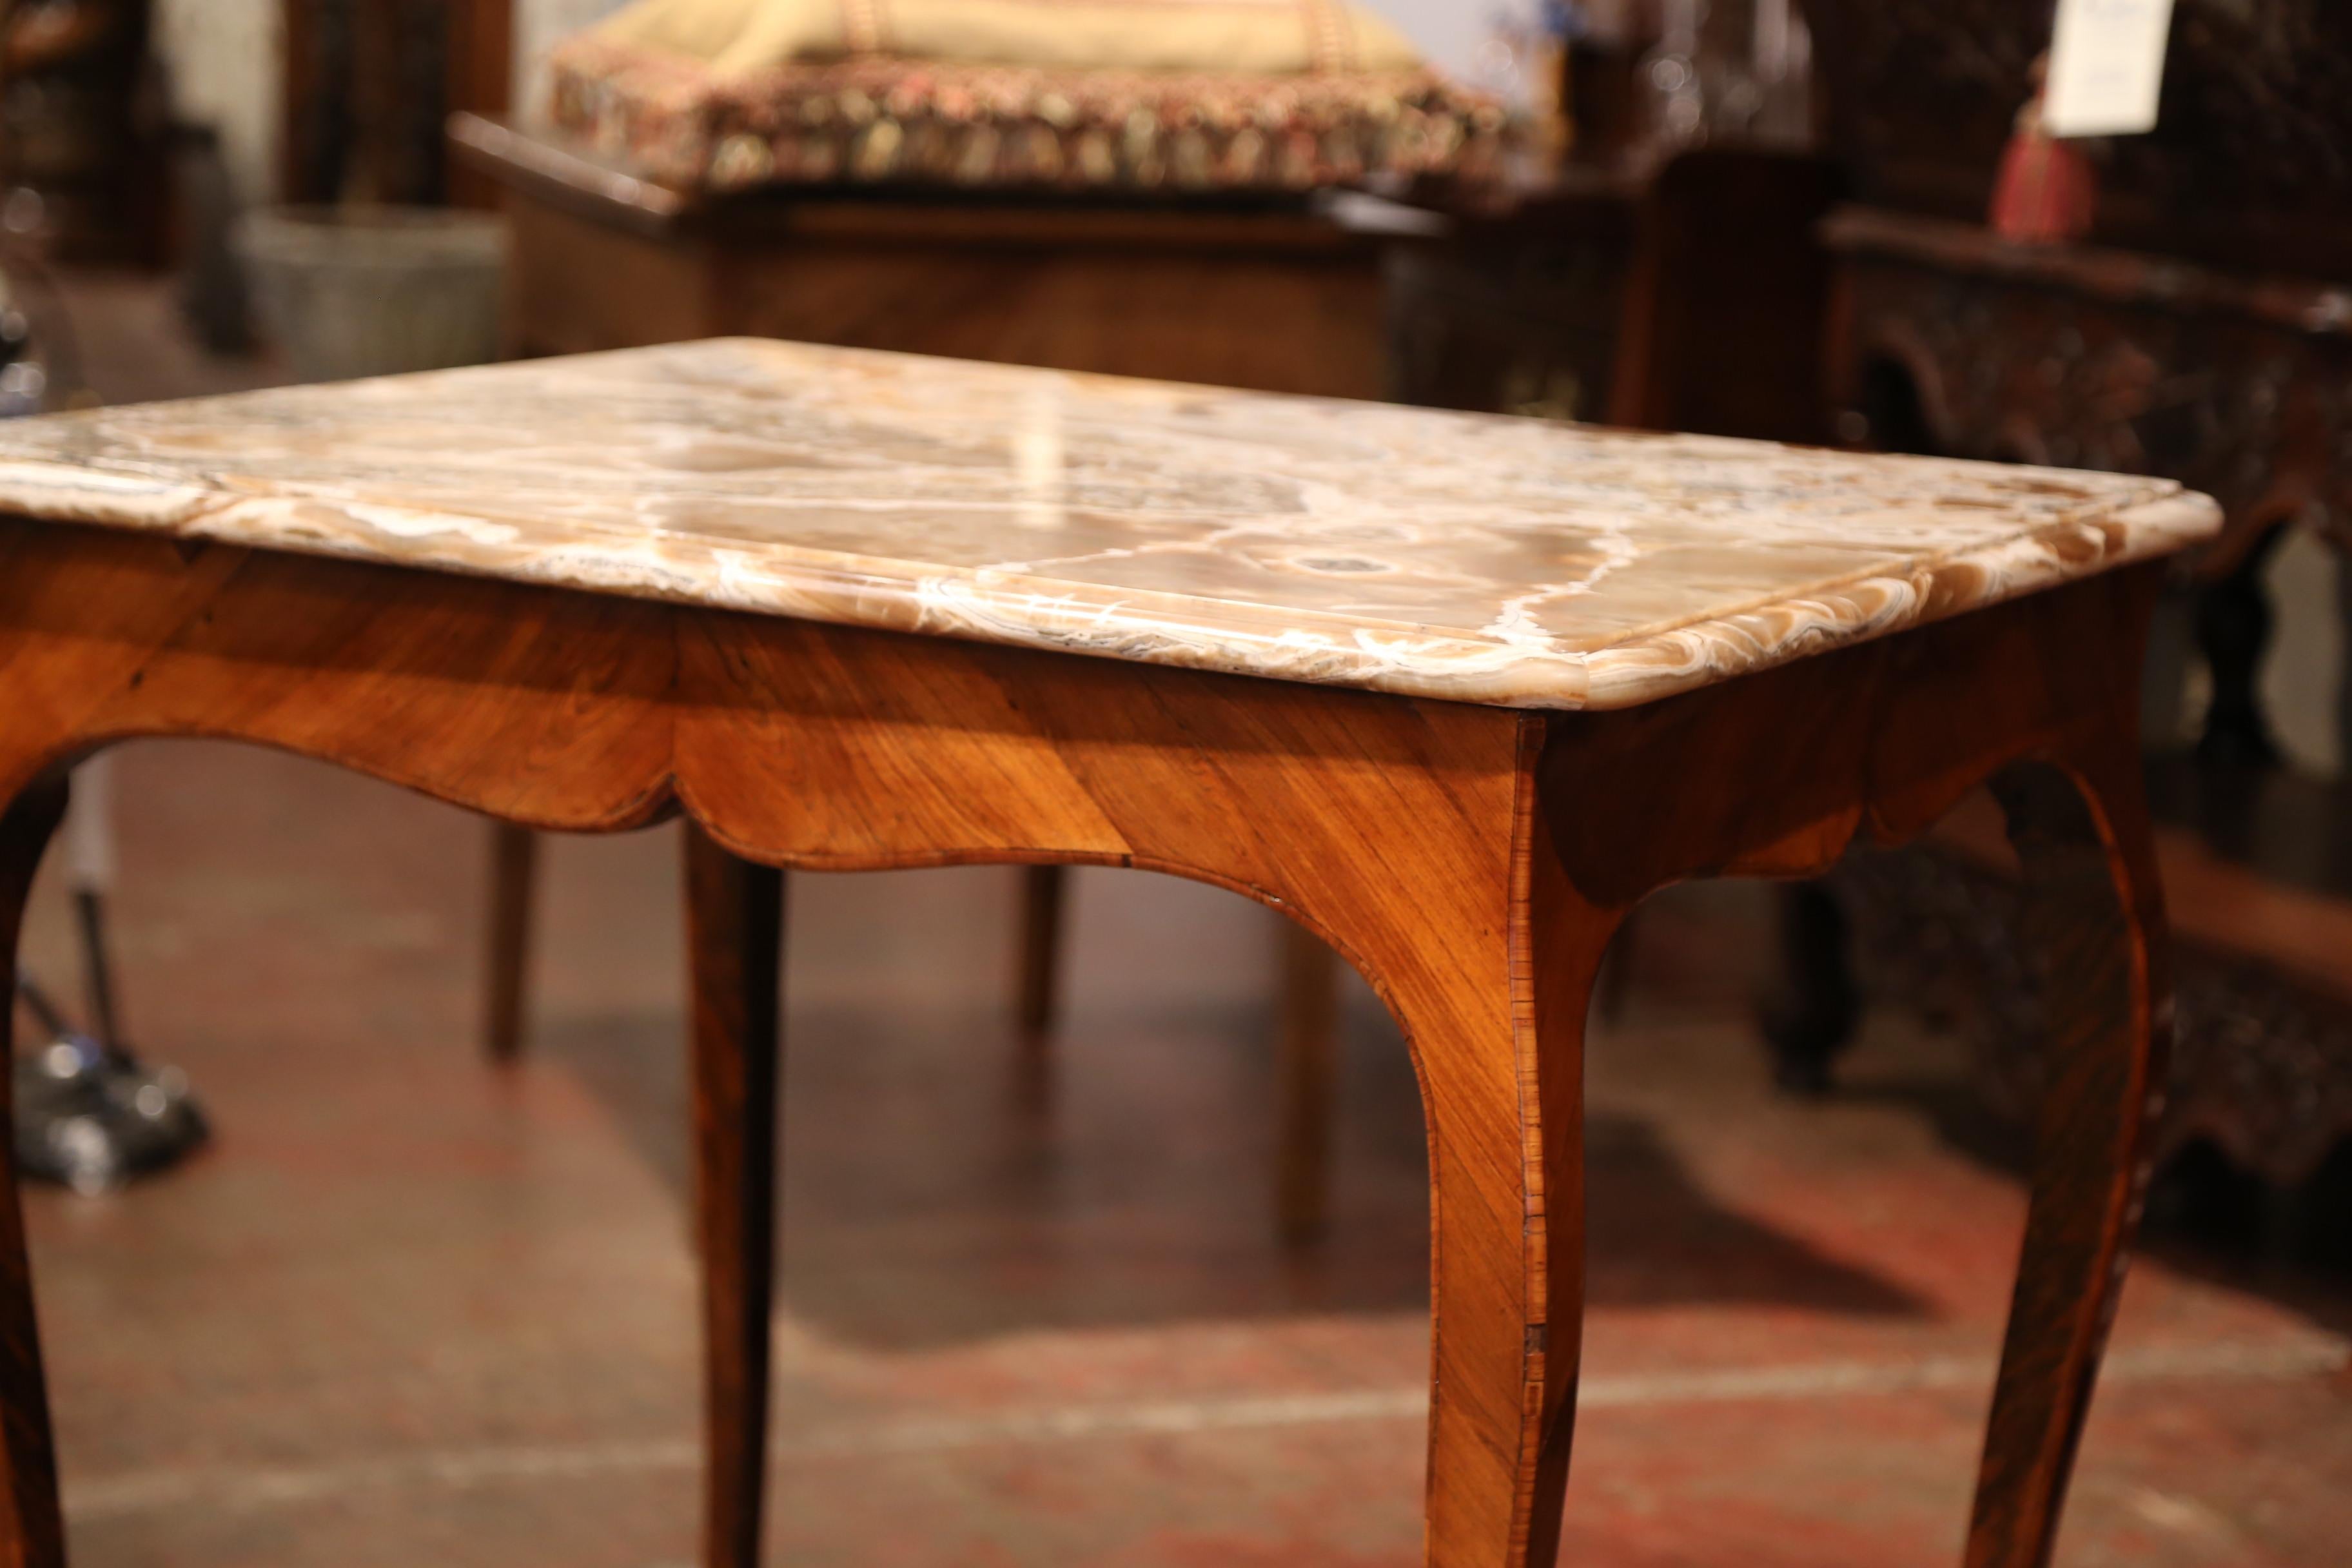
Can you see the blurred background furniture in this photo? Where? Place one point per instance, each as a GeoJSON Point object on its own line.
{"type": "Point", "coordinates": [367, 87]}
{"type": "Point", "coordinates": [2199, 333]}
{"type": "Point", "coordinates": [1271, 293]}
{"type": "Point", "coordinates": [81, 128]}
{"type": "Point", "coordinates": [1690, 295]}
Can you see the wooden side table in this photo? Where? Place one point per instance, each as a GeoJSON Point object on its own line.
{"type": "Point", "coordinates": [1454, 694]}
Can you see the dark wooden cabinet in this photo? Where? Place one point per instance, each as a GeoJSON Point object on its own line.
{"type": "Point", "coordinates": [82, 113]}
{"type": "Point", "coordinates": [2204, 334]}
{"type": "Point", "coordinates": [367, 87]}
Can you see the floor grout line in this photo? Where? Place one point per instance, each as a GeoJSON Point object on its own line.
{"type": "Point", "coordinates": [233, 1488]}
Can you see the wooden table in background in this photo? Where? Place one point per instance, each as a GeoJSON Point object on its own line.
{"type": "Point", "coordinates": [1454, 694]}
{"type": "Point", "coordinates": [1689, 298]}
{"type": "Point", "coordinates": [1273, 295]}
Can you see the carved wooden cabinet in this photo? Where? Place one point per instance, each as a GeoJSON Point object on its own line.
{"type": "Point", "coordinates": [2108, 359]}
{"type": "Point", "coordinates": [1946, 338]}
{"type": "Point", "coordinates": [82, 127]}
{"type": "Point", "coordinates": [2204, 332]}
{"type": "Point", "coordinates": [2200, 332]}
{"type": "Point", "coordinates": [2260, 1046]}
{"type": "Point", "coordinates": [2250, 165]}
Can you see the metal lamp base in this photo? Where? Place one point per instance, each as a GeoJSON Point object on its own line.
{"type": "Point", "coordinates": [94, 1120]}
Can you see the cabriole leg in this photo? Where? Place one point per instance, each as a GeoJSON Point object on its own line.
{"type": "Point", "coordinates": [1507, 1301]}
{"type": "Point", "coordinates": [2095, 922]}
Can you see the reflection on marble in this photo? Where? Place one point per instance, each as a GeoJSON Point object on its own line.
{"type": "Point", "coordinates": [1488, 560]}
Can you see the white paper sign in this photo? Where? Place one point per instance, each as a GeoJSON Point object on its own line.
{"type": "Point", "coordinates": [2106, 67]}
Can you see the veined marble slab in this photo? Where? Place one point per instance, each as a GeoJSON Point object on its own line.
{"type": "Point", "coordinates": [1484, 558]}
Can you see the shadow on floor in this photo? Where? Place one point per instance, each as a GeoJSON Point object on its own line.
{"type": "Point", "coordinates": [2204, 1218]}
{"type": "Point", "coordinates": [928, 1201]}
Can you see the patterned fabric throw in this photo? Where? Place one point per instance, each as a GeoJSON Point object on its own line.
{"type": "Point", "coordinates": [1163, 94]}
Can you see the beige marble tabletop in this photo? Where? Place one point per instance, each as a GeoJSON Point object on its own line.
{"type": "Point", "coordinates": [1484, 558]}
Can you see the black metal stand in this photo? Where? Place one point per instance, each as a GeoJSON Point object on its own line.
{"type": "Point", "coordinates": [89, 1114]}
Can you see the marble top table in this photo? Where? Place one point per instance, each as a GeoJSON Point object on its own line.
{"type": "Point", "coordinates": [823, 604]}
{"type": "Point", "coordinates": [1474, 557]}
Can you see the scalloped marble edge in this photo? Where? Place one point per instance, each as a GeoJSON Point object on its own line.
{"type": "Point", "coordinates": [1136, 626]}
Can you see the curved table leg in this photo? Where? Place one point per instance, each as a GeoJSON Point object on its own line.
{"type": "Point", "coordinates": [1508, 1223]}
{"type": "Point", "coordinates": [735, 944]}
{"type": "Point", "coordinates": [33, 1533]}
{"type": "Point", "coordinates": [2095, 918]}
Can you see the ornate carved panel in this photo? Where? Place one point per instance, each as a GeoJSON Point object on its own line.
{"type": "Point", "coordinates": [2261, 1065]}
{"type": "Point", "coordinates": [2257, 121]}
{"type": "Point", "coordinates": [2107, 360]}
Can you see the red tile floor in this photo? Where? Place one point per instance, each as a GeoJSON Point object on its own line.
{"type": "Point", "coordinates": [413, 1310]}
